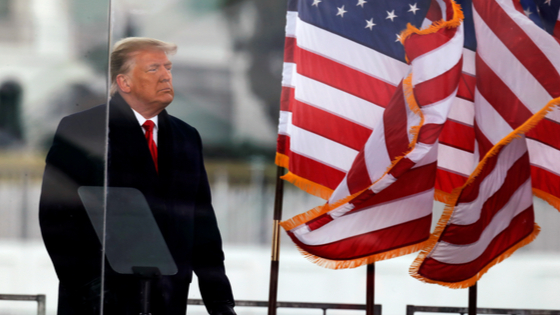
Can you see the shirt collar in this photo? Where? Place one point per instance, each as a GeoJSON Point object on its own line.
{"type": "Point", "coordinates": [142, 120]}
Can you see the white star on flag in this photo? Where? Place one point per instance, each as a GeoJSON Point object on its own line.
{"type": "Point", "coordinates": [391, 15]}
{"type": "Point", "coordinates": [548, 2]}
{"type": "Point", "coordinates": [528, 12]}
{"type": "Point", "coordinates": [370, 24]}
{"type": "Point", "coordinates": [361, 3]}
{"type": "Point", "coordinates": [316, 2]}
{"type": "Point", "coordinates": [341, 11]}
{"type": "Point", "coordinates": [413, 8]}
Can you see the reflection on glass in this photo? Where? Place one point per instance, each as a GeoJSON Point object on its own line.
{"type": "Point", "coordinates": [46, 73]}
{"type": "Point", "coordinates": [226, 78]}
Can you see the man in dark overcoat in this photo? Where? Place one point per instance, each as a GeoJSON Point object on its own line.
{"type": "Point", "coordinates": [149, 150]}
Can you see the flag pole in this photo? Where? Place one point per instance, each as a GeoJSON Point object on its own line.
{"type": "Point", "coordinates": [370, 290]}
{"type": "Point", "coordinates": [275, 257]}
{"type": "Point", "coordinates": [472, 299]}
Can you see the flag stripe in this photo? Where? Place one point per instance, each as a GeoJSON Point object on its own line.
{"type": "Point", "coordinates": [469, 67]}
{"type": "Point", "coordinates": [343, 77]}
{"type": "Point", "coordinates": [315, 171]}
{"type": "Point", "coordinates": [410, 232]}
{"type": "Point", "coordinates": [498, 95]}
{"type": "Point", "coordinates": [456, 160]}
{"type": "Point", "coordinates": [548, 159]}
{"type": "Point", "coordinates": [337, 102]}
{"type": "Point", "coordinates": [321, 149]}
{"type": "Point", "coordinates": [467, 234]}
{"type": "Point", "coordinates": [507, 239]}
{"type": "Point", "coordinates": [371, 219]}
{"type": "Point", "coordinates": [419, 45]}
{"type": "Point", "coordinates": [489, 121]}
{"type": "Point", "coordinates": [448, 57]}
{"type": "Point", "coordinates": [466, 87]}
{"type": "Point", "coordinates": [395, 126]}
{"type": "Point", "coordinates": [438, 88]}
{"type": "Point", "coordinates": [447, 180]}
{"type": "Point", "coordinates": [291, 19]}
{"type": "Point", "coordinates": [290, 44]}
{"type": "Point", "coordinates": [429, 133]}
{"type": "Point", "coordinates": [434, 13]}
{"type": "Point", "coordinates": [329, 126]}
{"type": "Point", "coordinates": [358, 178]}
{"type": "Point", "coordinates": [288, 71]}
{"type": "Point", "coordinates": [464, 253]}
{"type": "Point", "coordinates": [462, 110]}
{"type": "Point", "coordinates": [546, 132]}
{"type": "Point", "coordinates": [286, 97]}
{"type": "Point", "coordinates": [484, 144]}
{"type": "Point", "coordinates": [545, 181]}
{"type": "Point", "coordinates": [457, 135]}
{"type": "Point", "coordinates": [406, 186]}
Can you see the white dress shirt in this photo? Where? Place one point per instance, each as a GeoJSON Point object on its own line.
{"type": "Point", "coordinates": [142, 120]}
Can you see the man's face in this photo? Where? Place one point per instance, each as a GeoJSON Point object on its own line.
{"type": "Point", "coordinates": [150, 79]}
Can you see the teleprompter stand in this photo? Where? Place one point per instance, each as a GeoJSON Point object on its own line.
{"type": "Point", "coordinates": [133, 241]}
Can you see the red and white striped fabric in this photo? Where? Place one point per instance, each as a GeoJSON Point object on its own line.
{"type": "Point", "coordinates": [382, 207]}
{"type": "Point", "coordinates": [456, 146]}
{"type": "Point", "coordinates": [317, 138]}
{"type": "Point", "coordinates": [515, 82]}
{"type": "Point", "coordinates": [492, 217]}
{"type": "Point", "coordinates": [518, 83]}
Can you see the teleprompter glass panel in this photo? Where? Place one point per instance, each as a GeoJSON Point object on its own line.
{"type": "Point", "coordinates": [58, 65]}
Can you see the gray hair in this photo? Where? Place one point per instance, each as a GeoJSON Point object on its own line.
{"type": "Point", "coordinates": [123, 51]}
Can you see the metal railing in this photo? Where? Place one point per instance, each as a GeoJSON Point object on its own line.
{"type": "Point", "coordinates": [411, 309]}
{"type": "Point", "coordinates": [41, 300]}
{"type": "Point", "coordinates": [322, 306]}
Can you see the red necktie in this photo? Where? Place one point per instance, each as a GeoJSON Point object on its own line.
{"type": "Point", "coordinates": [149, 127]}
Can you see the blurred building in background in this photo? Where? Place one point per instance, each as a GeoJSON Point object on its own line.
{"type": "Point", "coordinates": [227, 71]}
{"type": "Point", "coordinates": [227, 74]}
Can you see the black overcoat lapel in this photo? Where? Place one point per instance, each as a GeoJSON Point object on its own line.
{"type": "Point", "coordinates": [129, 155]}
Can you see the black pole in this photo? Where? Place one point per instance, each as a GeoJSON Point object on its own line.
{"type": "Point", "coordinates": [472, 299]}
{"type": "Point", "coordinates": [370, 289]}
{"type": "Point", "coordinates": [145, 296]}
{"type": "Point", "coordinates": [275, 258]}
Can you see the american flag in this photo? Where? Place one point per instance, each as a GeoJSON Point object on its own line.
{"type": "Point", "coordinates": [351, 128]}
{"type": "Point", "coordinates": [348, 66]}
{"type": "Point", "coordinates": [341, 67]}
{"type": "Point", "coordinates": [517, 93]}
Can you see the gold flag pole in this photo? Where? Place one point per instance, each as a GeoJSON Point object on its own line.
{"type": "Point", "coordinates": [275, 257]}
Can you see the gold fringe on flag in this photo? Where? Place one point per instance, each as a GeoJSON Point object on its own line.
{"type": "Point", "coordinates": [457, 19]}
{"type": "Point", "coordinates": [304, 184]}
{"type": "Point", "coordinates": [552, 200]}
{"type": "Point", "coordinates": [353, 263]}
{"type": "Point", "coordinates": [442, 196]}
